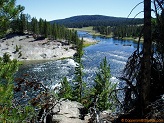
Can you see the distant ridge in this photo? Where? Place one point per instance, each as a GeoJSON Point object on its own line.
{"type": "Point", "coordinates": [96, 20]}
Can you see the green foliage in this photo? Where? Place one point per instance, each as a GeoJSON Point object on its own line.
{"type": "Point", "coordinates": [17, 115]}
{"type": "Point", "coordinates": [96, 20]}
{"type": "Point", "coordinates": [41, 26]}
{"type": "Point", "coordinates": [147, 85]}
{"type": "Point", "coordinates": [66, 90]}
{"type": "Point", "coordinates": [120, 31]}
{"type": "Point", "coordinates": [79, 53]}
{"type": "Point", "coordinates": [5, 58]}
{"type": "Point", "coordinates": [8, 11]}
{"type": "Point", "coordinates": [76, 90]}
{"type": "Point", "coordinates": [45, 29]}
{"type": "Point", "coordinates": [16, 48]}
{"type": "Point", "coordinates": [34, 26]}
{"type": "Point", "coordinates": [13, 20]}
{"type": "Point", "coordinates": [9, 112]}
{"type": "Point", "coordinates": [20, 24]}
{"type": "Point", "coordinates": [79, 84]}
{"type": "Point", "coordinates": [103, 86]}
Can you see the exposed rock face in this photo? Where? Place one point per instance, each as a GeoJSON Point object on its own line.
{"type": "Point", "coordinates": [69, 112]}
{"type": "Point", "coordinates": [25, 47]}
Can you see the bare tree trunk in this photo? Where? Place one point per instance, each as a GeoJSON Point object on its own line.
{"type": "Point", "coordinates": [146, 60]}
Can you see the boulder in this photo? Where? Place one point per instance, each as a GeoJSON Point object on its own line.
{"type": "Point", "coordinates": [68, 112]}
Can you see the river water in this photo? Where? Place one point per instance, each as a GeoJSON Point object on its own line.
{"type": "Point", "coordinates": [116, 52]}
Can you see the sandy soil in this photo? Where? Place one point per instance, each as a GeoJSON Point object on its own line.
{"type": "Point", "coordinates": [30, 49]}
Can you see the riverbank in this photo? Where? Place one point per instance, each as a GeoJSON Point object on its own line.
{"type": "Point", "coordinates": [88, 29]}
{"type": "Point", "coordinates": [94, 33]}
{"type": "Point", "coordinates": [87, 42]}
{"type": "Point", "coordinates": [136, 39]}
{"type": "Point", "coordinates": [26, 48]}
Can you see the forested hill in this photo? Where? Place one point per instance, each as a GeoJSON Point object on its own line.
{"type": "Point", "coordinates": [96, 20]}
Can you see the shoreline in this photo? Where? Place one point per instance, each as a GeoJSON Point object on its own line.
{"type": "Point", "coordinates": [26, 62]}
{"type": "Point", "coordinates": [88, 42]}
{"type": "Point", "coordinates": [26, 48]}
{"type": "Point", "coordinates": [130, 38]}
{"type": "Point", "coordinates": [94, 33]}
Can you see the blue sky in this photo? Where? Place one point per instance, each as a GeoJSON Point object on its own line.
{"type": "Point", "coordinates": [60, 9]}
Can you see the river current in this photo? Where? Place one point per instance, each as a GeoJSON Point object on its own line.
{"type": "Point", "coordinates": [116, 52]}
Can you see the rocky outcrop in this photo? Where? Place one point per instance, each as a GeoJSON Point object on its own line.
{"type": "Point", "coordinates": [68, 112]}
{"type": "Point", "coordinates": [73, 112]}
{"type": "Point", "coordinates": [25, 47]}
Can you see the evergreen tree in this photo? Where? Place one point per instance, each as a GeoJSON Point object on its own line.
{"type": "Point", "coordinates": [8, 10]}
{"type": "Point", "coordinates": [41, 26]}
{"type": "Point", "coordinates": [9, 112]}
{"type": "Point", "coordinates": [103, 86]}
{"type": "Point", "coordinates": [78, 81]}
{"type": "Point", "coordinates": [74, 37]}
{"type": "Point", "coordinates": [145, 75]}
{"type": "Point", "coordinates": [49, 30]}
{"type": "Point", "coordinates": [69, 36]}
{"type": "Point", "coordinates": [145, 67]}
{"type": "Point", "coordinates": [54, 31]}
{"type": "Point", "coordinates": [66, 90]}
{"type": "Point", "coordinates": [28, 19]}
{"type": "Point", "coordinates": [59, 35]}
{"type": "Point", "coordinates": [34, 26]}
{"type": "Point", "coordinates": [23, 23]}
{"type": "Point", "coordinates": [20, 24]}
{"type": "Point", "coordinates": [45, 29]}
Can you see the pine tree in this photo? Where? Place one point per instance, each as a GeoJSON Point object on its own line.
{"type": "Point", "coordinates": [8, 11]}
{"type": "Point", "coordinates": [41, 26]}
{"type": "Point", "coordinates": [74, 38]}
{"type": "Point", "coordinates": [103, 86]}
{"type": "Point", "coordinates": [10, 112]}
{"type": "Point", "coordinates": [45, 29]}
{"type": "Point", "coordinates": [145, 75]}
{"type": "Point", "coordinates": [28, 19]}
{"type": "Point", "coordinates": [34, 26]}
{"type": "Point", "coordinates": [23, 23]}
{"type": "Point", "coordinates": [66, 90]}
{"type": "Point", "coordinates": [78, 82]}
{"type": "Point", "coordinates": [69, 36]}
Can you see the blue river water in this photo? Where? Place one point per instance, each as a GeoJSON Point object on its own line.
{"type": "Point", "coordinates": [116, 51]}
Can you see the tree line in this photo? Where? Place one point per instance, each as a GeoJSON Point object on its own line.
{"type": "Point", "coordinates": [96, 20]}
{"type": "Point", "coordinates": [42, 28]}
{"type": "Point", "coordinates": [21, 23]}
{"type": "Point", "coordinates": [120, 31]}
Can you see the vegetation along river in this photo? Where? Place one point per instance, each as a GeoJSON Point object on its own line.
{"type": "Point", "coordinates": [116, 51]}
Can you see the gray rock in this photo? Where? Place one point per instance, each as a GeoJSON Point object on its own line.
{"type": "Point", "coordinates": [68, 112]}
{"type": "Point", "coordinates": [43, 55]}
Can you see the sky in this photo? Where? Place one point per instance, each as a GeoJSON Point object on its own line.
{"type": "Point", "coordinates": [60, 9]}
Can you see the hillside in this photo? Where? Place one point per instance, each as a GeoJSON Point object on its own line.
{"type": "Point", "coordinates": [95, 20]}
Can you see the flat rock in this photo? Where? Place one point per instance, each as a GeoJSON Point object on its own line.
{"type": "Point", "coordinates": [42, 49]}
{"type": "Point", "coordinates": [68, 112]}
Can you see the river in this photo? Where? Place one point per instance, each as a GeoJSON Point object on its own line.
{"type": "Point", "coordinates": [116, 52]}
